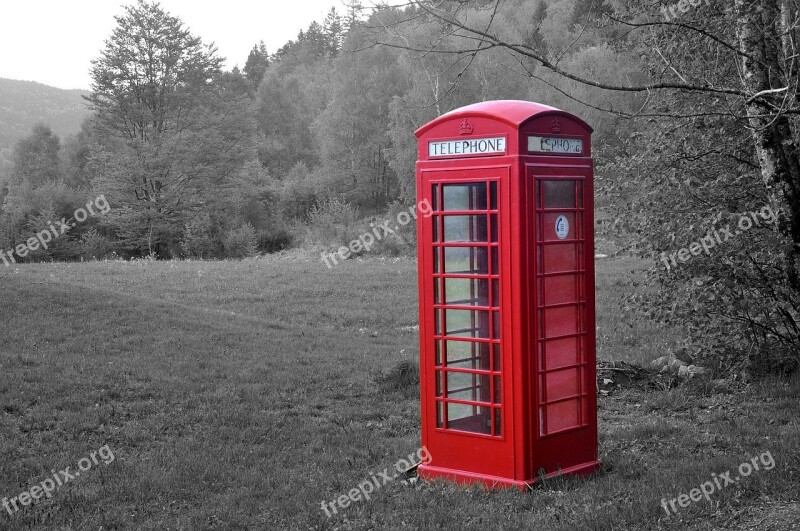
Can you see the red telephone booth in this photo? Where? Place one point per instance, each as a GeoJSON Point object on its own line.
{"type": "Point", "coordinates": [506, 282]}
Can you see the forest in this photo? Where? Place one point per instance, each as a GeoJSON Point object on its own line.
{"type": "Point", "coordinates": [695, 114]}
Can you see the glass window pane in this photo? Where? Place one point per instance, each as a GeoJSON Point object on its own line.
{"type": "Point", "coordinates": [439, 414]}
{"type": "Point", "coordinates": [558, 194]}
{"type": "Point", "coordinates": [563, 415]}
{"type": "Point", "coordinates": [493, 192]}
{"type": "Point", "coordinates": [466, 260]}
{"type": "Point", "coordinates": [468, 386]}
{"type": "Point", "coordinates": [436, 284]}
{"type": "Point", "coordinates": [475, 419]}
{"type": "Point", "coordinates": [465, 228]}
{"type": "Point", "coordinates": [466, 291]}
{"type": "Point", "coordinates": [495, 261]}
{"type": "Point", "coordinates": [497, 391]}
{"type": "Point", "coordinates": [467, 323]}
{"type": "Point", "coordinates": [435, 225]}
{"type": "Point", "coordinates": [495, 292]}
{"type": "Point", "coordinates": [435, 198]}
{"type": "Point", "coordinates": [495, 228]}
{"type": "Point", "coordinates": [464, 196]}
{"type": "Point", "coordinates": [468, 355]}
{"type": "Point", "coordinates": [435, 259]}
{"type": "Point", "coordinates": [498, 424]}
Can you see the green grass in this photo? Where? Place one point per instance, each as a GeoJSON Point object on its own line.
{"type": "Point", "coordinates": [240, 395]}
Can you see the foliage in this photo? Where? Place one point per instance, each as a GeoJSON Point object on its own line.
{"type": "Point", "coordinates": [95, 245]}
{"type": "Point", "coordinates": [688, 135]}
{"type": "Point", "coordinates": [256, 64]}
{"type": "Point", "coordinates": [241, 242]}
{"type": "Point", "coordinates": [198, 239]}
{"type": "Point", "coordinates": [333, 220]}
{"type": "Point", "coordinates": [26, 104]}
{"type": "Point", "coordinates": [733, 302]}
{"type": "Point", "coordinates": [177, 136]}
{"type": "Point", "coordinates": [718, 91]}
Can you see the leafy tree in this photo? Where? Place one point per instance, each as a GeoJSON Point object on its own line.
{"type": "Point", "coordinates": [257, 63]}
{"type": "Point", "coordinates": [351, 132]}
{"type": "Point", "coordinates": [284, 114]}
{"type": "Point", "coordinates": [147, 78]}
{"type": "Point", "coordinates": [241, 242]}
{"type": "Point", "coordinates": [38, 197]}
{"type": "Point", "coordinates": [35, 159]}
{"type": "Point", "coordinates": [178, 131]}
{"type": "Point", "coordinates": [198, 237]}
{"type": "Point", "coordinates": [718, 83]}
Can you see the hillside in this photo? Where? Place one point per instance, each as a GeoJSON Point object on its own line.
{"type": "Point", "coordinates": [23, 104]}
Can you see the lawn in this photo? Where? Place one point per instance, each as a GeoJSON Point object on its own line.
{"type": "Point", "coordinates": [241, 395]}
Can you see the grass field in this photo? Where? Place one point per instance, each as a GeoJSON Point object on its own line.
{"type": "Point", "coordinates": [240, 395]}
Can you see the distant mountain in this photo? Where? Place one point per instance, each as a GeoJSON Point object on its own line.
{"type": "Point", "coordinates": [23, 104]}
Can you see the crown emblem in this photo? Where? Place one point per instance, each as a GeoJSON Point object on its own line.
{"type": "Point", "coordinates": [556, 126]}
{"type": "Point", "coordinates": [465, 128]}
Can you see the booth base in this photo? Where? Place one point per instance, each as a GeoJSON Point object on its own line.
{"type": "Point", "coordinates": [461, 477]}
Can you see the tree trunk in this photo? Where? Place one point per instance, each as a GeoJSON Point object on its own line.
{"type": "Point", "coordinates": [762, 35]}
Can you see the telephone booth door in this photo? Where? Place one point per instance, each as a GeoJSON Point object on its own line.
{"type": "Point", "coordinates": [466, 266]}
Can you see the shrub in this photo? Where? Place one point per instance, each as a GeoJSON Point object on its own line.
{"type": "Point", "coordinates": [95, 245]}
{"type": "Point", "coordinates": [197, 240]}
{"type": "Point", "coordinates": [333, 221]}
{"type": "Point", "coordinates": [241, 242]}
{"type": "Point", "coordinates": [274, 241]}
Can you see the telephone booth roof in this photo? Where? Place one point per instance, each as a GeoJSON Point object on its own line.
{"type": "Point", "coordinates": [514, 113]}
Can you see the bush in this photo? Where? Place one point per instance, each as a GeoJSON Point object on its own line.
{"type": "Point", "coordinates": [95, 245]}
{"type": "Point", "coordinates": [333, 221]}
{"type": "Point", "coordinates": [735, 300]}
{"type": "Point", "coordinates": [241, 242]}
{"type": "Point", "coordinates": [198, 240]}
{"type": "Point", "coordinates": [404, 239]}
{"type": "Point", "coordinates": [274, 241]}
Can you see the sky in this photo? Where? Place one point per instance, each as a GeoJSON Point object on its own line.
{"type": "Point", "coordinates": [54, 41]}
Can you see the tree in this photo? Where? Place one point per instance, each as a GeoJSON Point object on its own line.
{"type": "Point", "coordinates": [152, 87]}
{"type": "Point", "coordinates": [146, 79]}
{"type": "Point", "coordinates": [333, 28]}
{"type": "Point", "coordinates": [35, 167]}
{"type": "Point", "coordinates": [257, 63]}
{"type": "Point", "coordinates": [353, 18]}
{"type": "Point", "coordinates": [711, 78]}
{"type": "Point", "coordinates": [36, 159]}
{"type": "Point", "coordinates": [351, 131]}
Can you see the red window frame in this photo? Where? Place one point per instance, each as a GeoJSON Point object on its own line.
{"type": "Point", "coordinates": [490, 370]}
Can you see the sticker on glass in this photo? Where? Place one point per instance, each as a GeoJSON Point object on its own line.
{"type": "Point", "coordinates": [562, 227]}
